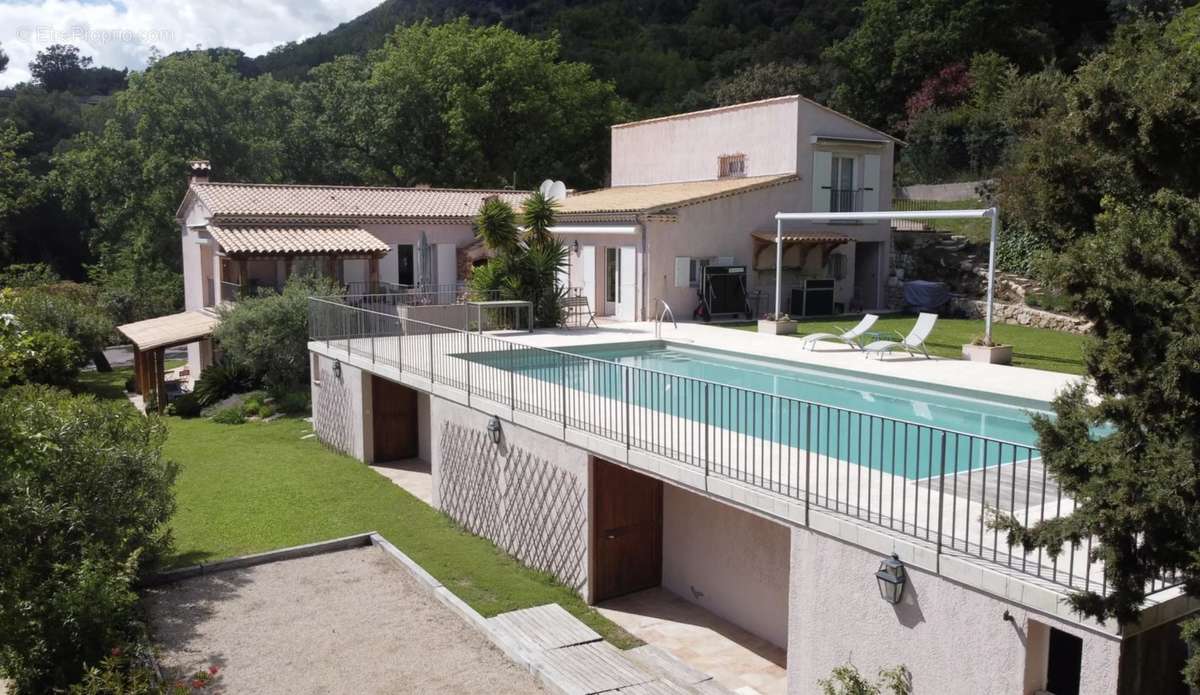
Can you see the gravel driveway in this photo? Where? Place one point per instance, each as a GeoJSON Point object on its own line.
{"type": "Point", "coordinates": [344, 622]}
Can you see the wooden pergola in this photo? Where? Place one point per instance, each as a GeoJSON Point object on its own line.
{"type": "Point", "coordinates": [824, 242]}
{"type": "Point", "coordinates": [152, 337]}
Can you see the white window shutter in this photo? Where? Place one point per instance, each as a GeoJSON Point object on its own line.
{"type": "Point", "coordinates": [822, 180]}
{"type": "Point", "coordinates": [683, 271]}
{"type": "Point", "coordinates": [870, 183]}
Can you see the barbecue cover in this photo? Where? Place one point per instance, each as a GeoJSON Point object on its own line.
{"type": "Point", "coordinates": [923, 295]}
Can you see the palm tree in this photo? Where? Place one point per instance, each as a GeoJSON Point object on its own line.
{"type": "Point", "coordinates": [526, 270]}
{"type": "Point", "coordinates": [538, 212]}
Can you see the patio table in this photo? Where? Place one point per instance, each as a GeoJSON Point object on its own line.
{"type": "Point", "coordinates": [500, 304]}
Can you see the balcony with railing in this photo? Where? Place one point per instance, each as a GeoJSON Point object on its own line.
{"type": "Point", "coordinates": [934, 485]}
{"type": "Point", "coordinates": [845, 200]}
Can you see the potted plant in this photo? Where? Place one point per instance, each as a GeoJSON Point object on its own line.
{"type": "Point", "coordinates": [983, 349]}
{"type": "Point", "coordinates": [776, 324]}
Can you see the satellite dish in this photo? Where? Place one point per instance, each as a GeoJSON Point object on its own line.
{"type": "Point", "coordinates": [545, 187]}
{"type": "Point", "coordinates": [558, 191]}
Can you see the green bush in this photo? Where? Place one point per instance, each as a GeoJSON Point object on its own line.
{"type": "Point", "coordinates": [846, 680]}
{"type": "Point", "coordinates": [185, 406]}
{"type": "Point", "coordinates": [229, 416]}
{"type": "Point", "coordinates": [67, 308]}
{"type": "Point", "coordinates": [40, 357]}
{"type": "Point", "coordinates": [219, 381]}
{"type": "Point", "coordinates": [51, 358]}
{"type": "Point", "coordinates": [1017, 248]}
{"type": "Point", "coordinates": [85, 496]}
{"type": "Point", "coordinates": [293, 402]}
{"type": "Point", "coordinates": [253, 402]}
{"type": "Point", "coordinates": [267, 335]}
{"type": "Point", "coordinates": [265, 410]}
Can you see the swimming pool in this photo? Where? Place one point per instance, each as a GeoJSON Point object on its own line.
{"type": "Point", "coordinates": [909, 430]}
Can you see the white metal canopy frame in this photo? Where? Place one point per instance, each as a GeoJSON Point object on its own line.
{"type": "Point", "coordinates": [992, 212]}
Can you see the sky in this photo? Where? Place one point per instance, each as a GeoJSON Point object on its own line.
{"type": "Point", "coordinates": [122, 33]}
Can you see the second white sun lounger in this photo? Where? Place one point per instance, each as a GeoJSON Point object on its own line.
{"type": "Point", "coordinates": [849, 337]}
{"type": "Point", "coordinates": [915, 340]}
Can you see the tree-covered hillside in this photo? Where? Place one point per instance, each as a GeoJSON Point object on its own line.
{"type": "Point", "coordinates": [671, 55]}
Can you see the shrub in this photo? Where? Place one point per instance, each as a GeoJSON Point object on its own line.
{"type": "Point", "coordinates": [267, 335]}
{"type": "Point", "coordinates": [130, 671]}
{"type": "Point", "coordinates": [1017, 248]}
{"type": "Point", "coordinates": [846, 680]}
{"type": "Point", "coordinates": [185, 406]}
{"type": "Point", "coordinates": [67, 308]}
{"type": "Point", "coordinates": [229, 416]}
{"type": "Point", "coordinates": [51, 358]}
{"type": "Point", "coordinates": [84, 500]}
{"type": "Point", "coordinates": [219, 381]}
{"type": "Point", "coordinates": [265, 410]}
{"type": "Point", "coordinates": [130, 385]}
{"type": "Point", "coordinates": [293, 402]}
{"type": "Point", "coordinates": [36, 356]}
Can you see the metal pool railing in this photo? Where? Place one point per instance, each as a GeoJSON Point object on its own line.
{"type": "Point", "coordinates": [925, 482]}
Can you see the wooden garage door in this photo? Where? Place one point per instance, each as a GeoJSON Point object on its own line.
{"type": "Point", "coordinates": [627, 528]}
{"type": "Point", "coordinates": [394, 421]}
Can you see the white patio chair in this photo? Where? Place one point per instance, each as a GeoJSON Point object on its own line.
{"type": "Point", "coordinates": [849, 337]}
{"type": "Point", "coordinates": [915, 340]}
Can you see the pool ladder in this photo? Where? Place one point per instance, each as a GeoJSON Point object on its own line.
{"type": "Point", "coordinates": [666, 311]}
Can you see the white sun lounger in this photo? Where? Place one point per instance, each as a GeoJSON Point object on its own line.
{"type": "Point", "coordinates": [849, 337]}
{"type": "Point", "coordinates": [915, 340]}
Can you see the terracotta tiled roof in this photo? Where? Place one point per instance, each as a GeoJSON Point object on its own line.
{"type": "Point", "coordinates": [663, 197]}
{"type": "Point", "coordinates": [271, 200]}
{"type": "Point", "coordinates": [296, 240]}
{"type": "Point", "coordinates": [174, 329]}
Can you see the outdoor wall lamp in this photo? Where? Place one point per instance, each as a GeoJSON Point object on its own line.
{"type": "Point", "coordinates": [493, 429]}
{"type": "Point", "coordinates": [337, 369]}
{"type": "Point", "coordinates": [575, 247]}
{"type": "Point", "coordinates": [891, 579]}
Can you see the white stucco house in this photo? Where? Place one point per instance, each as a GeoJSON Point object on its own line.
{"type": "Point", "coordinates": [687, 191]}
{"type": "Point", "coordinates": [825, 508]}
{"type": "Point", "coordinates": [703, 188]}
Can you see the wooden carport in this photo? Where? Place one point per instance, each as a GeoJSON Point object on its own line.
{"type": "Point", "coordinates": [152, 337]}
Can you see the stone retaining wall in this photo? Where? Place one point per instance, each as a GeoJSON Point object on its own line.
{"type": "Point", "coordinates": [1022, 315]}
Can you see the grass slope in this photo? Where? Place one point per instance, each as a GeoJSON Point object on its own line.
{"type": "Point", "coordinates": [1037, 348]}
{"type": "Point", "coordinates": [253, 487]}
{"type": "Point", "coordinates": [260, 486]}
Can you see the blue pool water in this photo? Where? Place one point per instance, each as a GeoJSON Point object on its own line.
{"type": "Point", "coordinates": [881, 424]}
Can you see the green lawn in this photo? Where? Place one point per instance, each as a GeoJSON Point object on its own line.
{"type": "Point", "coordinates": [1037, 348]}
{"type": "Point", "coordinates": [260, 486]}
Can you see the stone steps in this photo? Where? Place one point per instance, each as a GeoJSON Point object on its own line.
{"type": "Point", "coordinates": [572, 659]}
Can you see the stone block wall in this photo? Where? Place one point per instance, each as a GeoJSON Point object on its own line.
{"type": "Point", "coordinates": [1021, 315]}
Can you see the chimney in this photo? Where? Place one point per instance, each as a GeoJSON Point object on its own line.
{"type": "Point", "coordinates": [198, 171]}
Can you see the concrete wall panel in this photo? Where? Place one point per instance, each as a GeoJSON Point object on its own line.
{"type": "Point", "coordinates": [953, 639]}
{"type": "Point", "coordinates": [339, 416]}
{"type": "Point", "coordinates": [528, 494]}
{"type": "Point", "coordinates": [727, 561]}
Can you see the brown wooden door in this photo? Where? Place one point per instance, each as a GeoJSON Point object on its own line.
{"type": "Point", "coordinates": [627, 528]}
{"type": "Point", "coordinates": [394, 421]}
